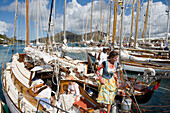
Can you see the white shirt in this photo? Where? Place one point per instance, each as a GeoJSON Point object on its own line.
{"type": "Point", "coordinates": [74, 89]}
{"type": "Point", "coordinates": [103, 57]}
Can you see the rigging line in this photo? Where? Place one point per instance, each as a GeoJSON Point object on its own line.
{"type": "Point", "coordinates": [155, 106]}
{"type": "Point", "coordinates": [6, 54]}
{"type": "Point", "coordinates": [155, 111]}
{"type": "Point", "coordinates": [166, 2]}
{"type": "Point", "coordinates": [164, 88]}
{"type": "Point", "coordinates": [41, 18]}
{"type": "Point", "coordinates": [137, 103]}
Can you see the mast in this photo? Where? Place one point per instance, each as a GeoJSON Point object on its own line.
{"type": "Point", "coordinates": [49, 23]}
{"type": "Point", "coordinates": [85, 31]}
{"type": "Point", "coordinates": [146, 18]}
{"type": "Point", "coordinates": [121, 35]}
{"type": "Point", "coordinates": [27, 22]}
{"type": "Point", "coordinates": [150, 21]}
{"type": "Point", "coordinates": [167, 27]}
{"type": "Point", "coordinates": [91, 18]}
{"type": "Point", "coordinates": [82, 37]}
{"type": "Point", "coordinates": [136, 33]}
{"type": "Point", "coordinates": [108, 25]}
{"type": "Point", "coordinates": [132, 21]}
{"type": "Point", "coordinates": [115, 21]}
{"type": "Point", "coordinates": [64, 21]}
{"type": "Point", "coordinates": [100, 20]}
{"type": "Point", "coordinates": [53, 41]}
{"type": "Point", "coordinates": [103, 26]}
{"type": "Point", "coordinates": [110, 17]}
{"type": "Point", "coordinates": [37, 19]}
{"type": "Point", "coordinates": [16, 10]}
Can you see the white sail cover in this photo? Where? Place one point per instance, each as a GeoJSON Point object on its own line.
{"type": "Point", "coordinates": [126, 57]}
{"type": "Point", "coordinates": [47, 58]}
{"type": "Point", "coordinates": [80, 49]}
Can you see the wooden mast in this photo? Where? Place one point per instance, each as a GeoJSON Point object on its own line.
{"type": "Point", "coordinates": [136, 33]}
{"type": "Point", "coordinates": [115, 21]}
{"type": "Point", "coordinates": [85, 31]}
{"type": "Point", "coordinates": [37, 19]}
{"type": "Point", "coordinates": [146, 18]}
{"type": "Point", "coordinates": [91, 19]}
{"type": "Point", "coordinates": [103, 26]}
{"type": "Point", "coordinates": [16, 10]}
{"type": "Point", "coordinates": [100, 21]}
{"type": "Point", "coordinates": [107, 25]}
{"type": "Point", "coordinates": [132, 21]}
{"type": "Point", "coordinates": [27, 22]}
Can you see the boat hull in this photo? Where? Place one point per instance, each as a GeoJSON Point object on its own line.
{"type": "Point", "coordinates": [141, 69]}
{"type": "Point", "coordinates": [144, 98]}
{"type": "Point", "coordinates": [12, 107]}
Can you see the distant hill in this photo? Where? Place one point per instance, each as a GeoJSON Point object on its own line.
{"type": "Point", "coordinates": [71, 37]}
{"type": "Point", "coordinates": [4, 39]}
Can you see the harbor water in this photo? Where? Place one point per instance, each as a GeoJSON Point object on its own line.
{"type": "Point", "coordinates": [160, 101]}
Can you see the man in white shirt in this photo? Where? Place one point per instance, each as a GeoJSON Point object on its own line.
{"type": "Point", "coordinates": [103, 56]}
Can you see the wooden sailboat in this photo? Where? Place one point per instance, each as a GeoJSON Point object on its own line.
{"type": "Point", "coordinates": [29, 80]}
{"type": "Point", "coordinates": [144, 54]}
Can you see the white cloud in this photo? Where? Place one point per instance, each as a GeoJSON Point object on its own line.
{"type": "Point", "coordinates": [158, 20]}
{"type": "Point", "coordinates": [4, 27]}
{"type": "Point", "coordinates": [76, 16]}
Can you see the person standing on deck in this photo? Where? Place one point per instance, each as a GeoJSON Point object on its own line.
{"type": "Point", "coordinates": [102, 56]}
{"type": "Point", "coordinates": [108, 82]}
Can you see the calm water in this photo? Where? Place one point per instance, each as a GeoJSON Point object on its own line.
{"type": "Point", "coordinates": [160, 101]}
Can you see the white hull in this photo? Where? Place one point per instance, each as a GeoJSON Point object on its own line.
{"type": "Point", "coordinates": [141, 69]}
{"type": "Point", "coordinates": [11, 95]}
{"type": "Point", "coordinates": [12, 107]}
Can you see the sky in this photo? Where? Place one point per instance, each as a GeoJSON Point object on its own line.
{"type": "Point", "coordinates": [78, 12]}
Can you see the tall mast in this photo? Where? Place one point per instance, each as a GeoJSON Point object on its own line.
{"type": "Point", "coordinates": [121, 34]}
{"type": "Point", "coordinates": [85, 31]}
{"type": "Point", "coordinates": [37, 19]}
{"type": "Point", "coordinates": [110, 17]}
{"type": "Point", "coordinates": [167, 27]}
{"type": "Point", "coordinates": [64, 29]}
{"type": "Point", "coordinates": [53, 41]}
{"type": "Point", "coordinates": [100, 20]}
{"type": "Point", "coordinates": [103, 26]}
{"type": "Point", "coordinates": [146, 18]}
{"type": "Point", "coordinates": [115, 21]}
{"type": "Point", "coordinates": [136, 33]}
{"type": "Point", "coordinates": [132, 20]}
{"type": "Point", "coordinates": [27, 22]}
{"type": "Point", "coordinates": [16, 10]}
{"type": "Point", "coordinates": [150, 21]}
{"type": "Point", "coordinates": [49, 23]}
{"type": "Point", "coordinates": [108, 25]}
{"type": "Point", "coordinates": [91, 18]}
